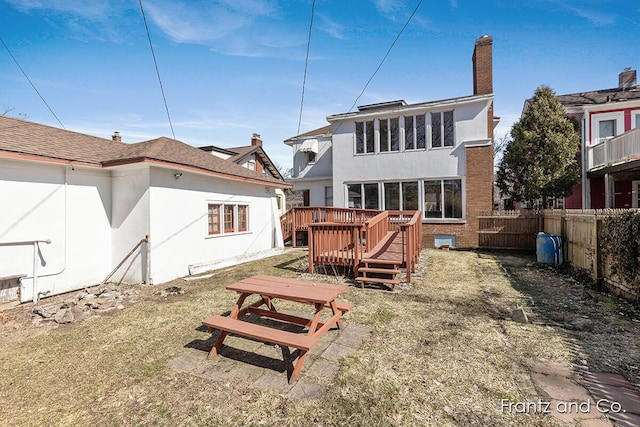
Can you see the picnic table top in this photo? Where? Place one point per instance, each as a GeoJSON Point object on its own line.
{"type": "Point", "coordinates": [289, 289]}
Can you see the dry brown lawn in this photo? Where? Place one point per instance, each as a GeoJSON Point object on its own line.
{"type": "Point", "coordinates": [444, 352]}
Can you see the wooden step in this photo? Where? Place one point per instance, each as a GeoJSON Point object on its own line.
{"type": "Point", "coordinates": [379, 261]}
{"type": "Point", "coordinates": [379, 270]}
{"type": "Point", "coordinates": [378, 280]}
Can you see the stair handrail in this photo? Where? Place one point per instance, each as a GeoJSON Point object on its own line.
{"type": "Point", "coordinates": [411, 232]}
{"type": "Point", "coordinates": [376, 229]}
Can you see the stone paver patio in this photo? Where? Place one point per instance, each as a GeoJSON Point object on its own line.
{"type": "Point", "coordinates": [262, 364]}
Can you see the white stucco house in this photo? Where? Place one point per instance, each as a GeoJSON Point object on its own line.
{"type": "Point", "coordinates": [434, 156]}
{"type": "Point", "coordinates": [74, 206]}
{"type": "Point", "coordinates": [313, 166]}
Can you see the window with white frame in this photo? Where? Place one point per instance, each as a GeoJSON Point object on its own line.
{"type": "Point", "coordinates": [226, 218]}
{"type": "Point", "coordinates": [354, 196]}
{"type": "Point", "coordinates": [370, 191]}
{"type": "Point", "coordinates": [311, 157]}
{"type": "Point", "coordinates": [443, 199]}
{"type": "Point", "coordinates": [606, 129]}
{"type": "Point", "coordinates": [637, 121]}
{"type": "Point", "coordinates": [442, 127]}
{"type": "Point", "coordinates": [365, 137]}
{"type": "Point", "coordinates": [439, 198]}
{"type": "Point", "coordinates": [389, 134]}
{"type": "Point", "coordinates": [414, 132]}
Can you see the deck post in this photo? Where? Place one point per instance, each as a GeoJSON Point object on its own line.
{"type": "Point", "coordinates": [310, 243]}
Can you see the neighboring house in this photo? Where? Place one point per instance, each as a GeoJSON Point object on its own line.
{"type": "Point", "coordinates": [312, 166]}
{"type": "Point", "coordinates": [436, 157]}
{"type": "Point", "coordinates": [96, 199]}
{"type": "Point", "coordinates": [252, 157]}
{"type": "Point", "coordinates": [610, 149]}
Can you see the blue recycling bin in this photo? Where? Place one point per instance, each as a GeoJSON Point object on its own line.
{"type": "Point", "coordinates": [549, 249]}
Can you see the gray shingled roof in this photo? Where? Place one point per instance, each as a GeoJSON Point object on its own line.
{"type": "Point", "coordinates": [602, 96]}
{"type": "Point", "coordinates": [23, 137]}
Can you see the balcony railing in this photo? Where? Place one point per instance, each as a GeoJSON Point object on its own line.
{"type": "Point", "coordinates": [615, 150]}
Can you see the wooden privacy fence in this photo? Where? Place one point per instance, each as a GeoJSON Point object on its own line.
{"type": "Point", "coordinates": [508, 230]}
{"type": "Point", "coordinates": [581, 231]}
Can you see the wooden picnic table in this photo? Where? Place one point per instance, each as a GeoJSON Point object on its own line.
{"type": "Point", "coordinates": [268, 288]}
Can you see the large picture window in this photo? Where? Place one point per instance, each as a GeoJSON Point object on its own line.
{"type": "Point", "coordinates": [443, 199]}
{"type": "Point", "coordinates": [439, 198]}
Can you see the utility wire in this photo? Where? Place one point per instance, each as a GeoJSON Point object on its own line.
{"type": "Point", "coordinates": [306, 62]}
{"type": "Point", "coordinates": [30, 82]}
{"type": "Point", "coordinates": [155, 62]}
{"type": "Point", "coordinates": [383, 60]}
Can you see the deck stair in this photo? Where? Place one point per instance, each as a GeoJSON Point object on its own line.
{"type": "Point", "coordinates": [381, 265]}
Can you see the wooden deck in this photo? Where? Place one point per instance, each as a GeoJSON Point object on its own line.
{"type": "Point", "coordinates": [376, 246]}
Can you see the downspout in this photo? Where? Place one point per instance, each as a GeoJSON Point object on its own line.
{"type": "Point", "coordinates": [64, 250]}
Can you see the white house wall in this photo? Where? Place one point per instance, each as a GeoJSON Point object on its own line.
{"type": "Point", "coordinates": [130, 221]}
{"type": "Point", "coordinates": [180, 243]}
{"type": "Point", "coordinates": [445, 162]}
{"type": "Point", "coordinates": [70, 207]}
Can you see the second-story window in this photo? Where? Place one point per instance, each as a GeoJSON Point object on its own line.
{"type": "Point", "coordinates": [442, 129]}
{"type": "Point", "coordinates": [389, 134]}
{"type": "Point", "coordinates": [606, 129]}
{"type": "Point", "coordinates": [311, 157]}
{"type": "Point", "coordinates": [414, 136]}
{"type": "Point", "coordinates": [365, 137]}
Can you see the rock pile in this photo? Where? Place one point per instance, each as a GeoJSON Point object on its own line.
{"type": "Point", "coordinates": [98, 299]}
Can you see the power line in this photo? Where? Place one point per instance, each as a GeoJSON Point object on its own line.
{"type": "Point", "coordinates": [383, 60]}
{"type": "Point", "coordinates": [306, 62]}
{"type": "Point", "coordinates": [155, 62]}
{"type": "Point", "coordinates": [30, 82]}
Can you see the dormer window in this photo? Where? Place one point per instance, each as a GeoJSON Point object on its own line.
{"type": "Point", "coordinates": [311, 157]}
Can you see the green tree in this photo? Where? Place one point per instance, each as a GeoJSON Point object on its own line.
{"type": "Point", "coordinates": [541, 160]}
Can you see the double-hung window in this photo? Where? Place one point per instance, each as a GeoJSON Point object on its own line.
{"type": "Point", "coordinates": [365, 137]}
{"type": "Point", "coordinates": [442, 127]}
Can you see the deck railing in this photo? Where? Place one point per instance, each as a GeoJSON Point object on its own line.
{"type": "Point", "coordinates": [412, 241]}
{"type": "Point", "coordinates": [332, 243]}
{"type": "Point", "coordinates": [615, 150]}
{"type": "Point", "coordinates": [376, 229]}
{"type": "Point", "coordinates": [297, 219]}
{"type": "Point", "coordinates": [344, 244]}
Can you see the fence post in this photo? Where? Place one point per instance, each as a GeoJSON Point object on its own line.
{"type": "Point", "coordinates": [311, 254]}
{"type": "Point", "coordinates": [598, 267]}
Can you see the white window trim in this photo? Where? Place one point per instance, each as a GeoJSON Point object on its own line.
{"type": "Point", "coordinates": [595, 125]}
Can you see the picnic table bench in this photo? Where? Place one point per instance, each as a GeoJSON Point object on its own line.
{"type": "Point", "coordinates": [268, 288]}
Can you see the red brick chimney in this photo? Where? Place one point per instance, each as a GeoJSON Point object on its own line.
{"type": "Point", "coordinates": [483, 66]}
{"type": "Point", "coordinates": [116, 137]}
{"type": "Point", "coordinates": [255, 140]}
{"type": "Point", "coordinates": [627, 79]}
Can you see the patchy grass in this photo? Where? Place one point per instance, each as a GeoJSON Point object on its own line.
{"type": "Point", "coordinates": [444, 352]}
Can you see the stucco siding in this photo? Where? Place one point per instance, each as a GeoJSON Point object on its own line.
{"type": "Point", "coordinates": [70, 207]}
{"type": "Point", "coordinates": [180, 243]}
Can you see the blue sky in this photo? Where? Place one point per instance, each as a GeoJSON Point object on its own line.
{"type": "Point", "coordinates": [230, 68]}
